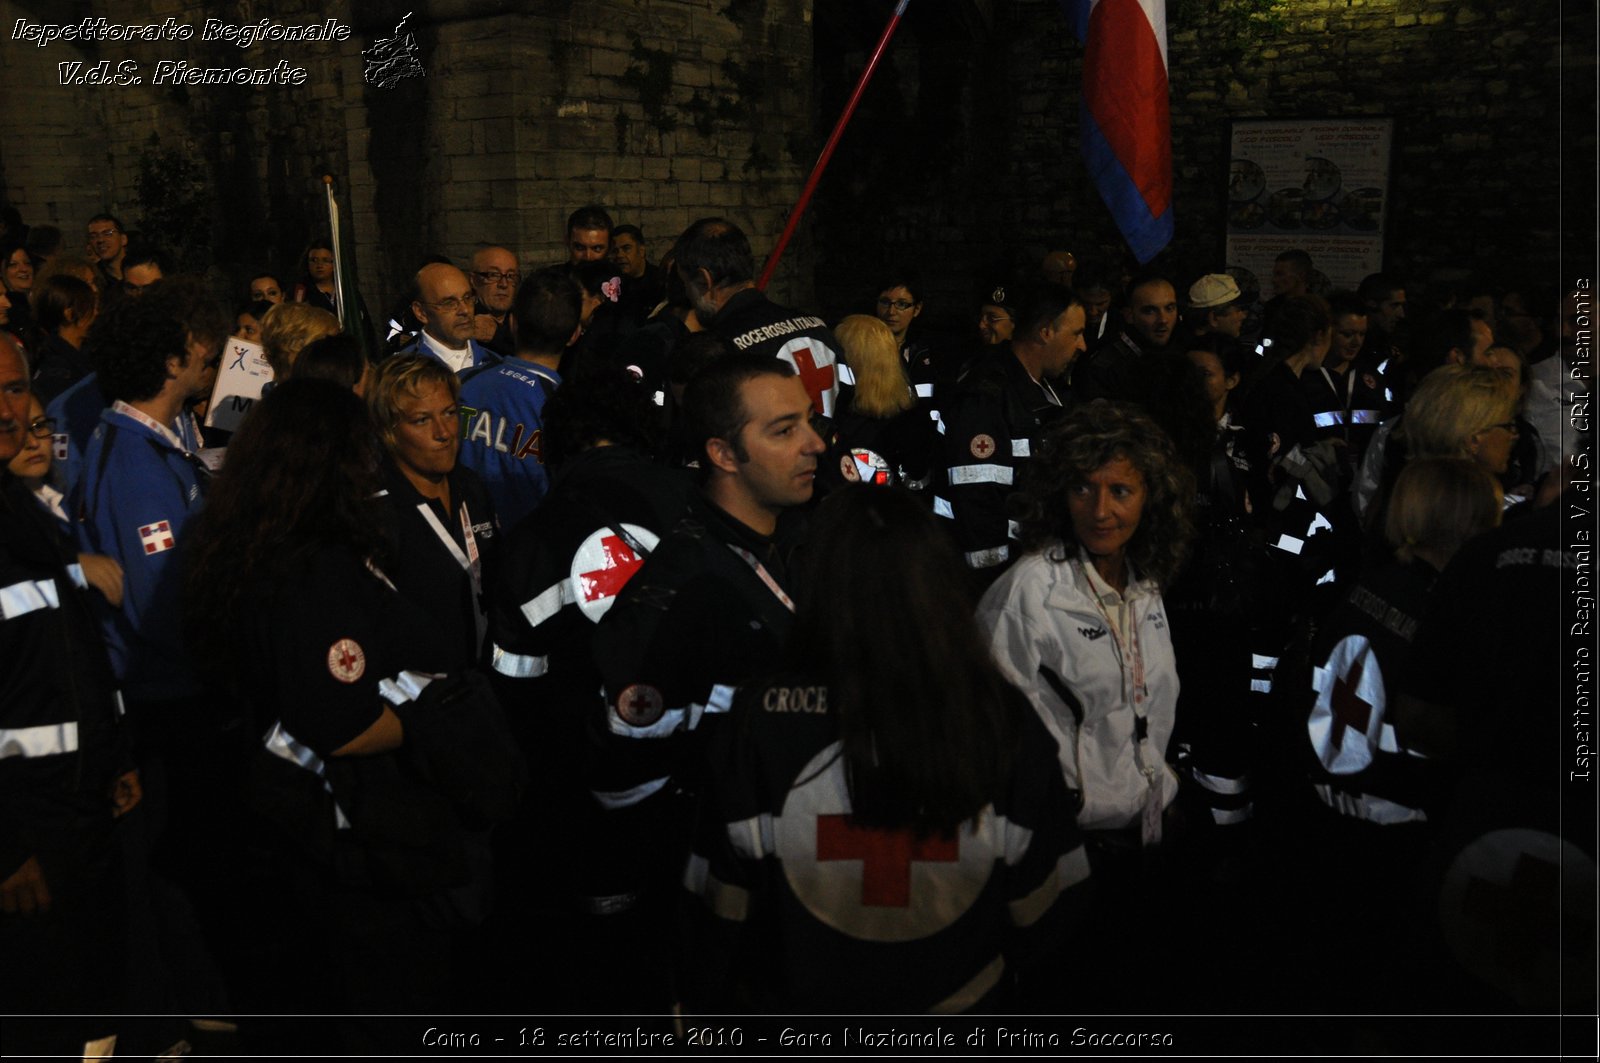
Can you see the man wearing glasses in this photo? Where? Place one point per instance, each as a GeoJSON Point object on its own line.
{"type": "Point", "coordinates": [494, 281]}
{"type": "Point", "coordinates": [447, 308]}
{"type": "Point", "coordinates": [107, 243]}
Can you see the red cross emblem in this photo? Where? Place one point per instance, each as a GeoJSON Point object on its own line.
{"type": "Point", "coordinates": [346, 662]}
{"type": "Point", "coordinates": [982, 446]}
{"type": "Point", "coordinates": [818, 379]}
{"type": "Point", "coordinates": [640, 705]}
{"type": "Point", "coordinates": [1350, 709]}
{"type": "Point", "coordinates": [604, 564]}
{"type": "Point", "coordinates": [1349, 706]}
{"type": "Point", "coordinates": [886, 856]}
{"type": "Point", "coordinates": [156, 537]}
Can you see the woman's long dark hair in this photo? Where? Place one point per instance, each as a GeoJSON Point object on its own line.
{"type": "Point", "coordinates": [300, 473]}
{"type": "Point", "coordinates": [926, 720]}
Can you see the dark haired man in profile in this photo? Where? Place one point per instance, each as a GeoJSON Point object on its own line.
{"type": "Point", "coordinates": [718, 271]}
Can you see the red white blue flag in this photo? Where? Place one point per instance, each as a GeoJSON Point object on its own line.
{"type": "Point", "coordinates": [1125, 128]}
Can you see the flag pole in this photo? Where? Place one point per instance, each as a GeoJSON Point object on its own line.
{"type": "Point", "coordinates": [338, 266]}
{"type": "Point", "coordinates": [827, 150]}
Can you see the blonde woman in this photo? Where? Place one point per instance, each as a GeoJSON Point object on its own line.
{"type": "Point", "coordinates": [285, 331]}
{"type": "Point", "coordinates": [882, 435]}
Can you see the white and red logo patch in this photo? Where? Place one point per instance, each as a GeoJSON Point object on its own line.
{"type": "Point", "coordinates": [346, 661]}
{"type": "Point", "coordinates": [640, 705]}
{"type": "Point", "coordinates": [58, 446]}
{"type": "Point", "coordinates": [1347, 722]}
{"type": "Point", "coordinates": [156, 537]}
{"type": "Point", "coordinates": [863, 466]}
{"type": "Point", "coordinates": [612, 289]}
{"type": "Point", "coordinates": [603, 565]}
{"type": "Point", "coordinates": [982, 447]}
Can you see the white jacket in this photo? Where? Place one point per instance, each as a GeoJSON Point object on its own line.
{"type": "Point", "coordinates": [1042, 614]}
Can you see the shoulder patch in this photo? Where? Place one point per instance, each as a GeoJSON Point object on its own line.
{"type": "Point", "coordinates": [982, 446]}
{"type": "Point", "coordinates": [640, 705]}
{"type": "Point", "coordinates": [156, 537]}
{"type": "Point", "coordinates": [346, 661]}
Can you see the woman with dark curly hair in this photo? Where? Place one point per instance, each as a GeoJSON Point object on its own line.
{"type": "Point", "coordinates": [1079, 623]}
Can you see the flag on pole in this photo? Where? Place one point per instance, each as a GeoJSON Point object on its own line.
{"type": "Point", "coordinates": [1125, 128]}
{"type": "Point", "coordinates": [346, 296]}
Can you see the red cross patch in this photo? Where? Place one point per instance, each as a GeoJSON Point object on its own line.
{"type": "Point", "coordinates": [603, 565]}
{"type": "Point", "coordinates": [346, 661]}
{"type": "Point", "coordinates": [815, 369]}
{"type": "Point", "coordinates": [1348, 715]}
{"type": "Point", "coordinates": [886, 856]}
{"type": "Point", "coordinates": [982, 447]}
{"type": "Point", "coordinates": [156, 537]}
{"type": "Point", "coordinates": [640, 705]}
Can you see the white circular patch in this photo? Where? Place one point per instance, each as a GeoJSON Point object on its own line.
{"type": "Point", "coordinates": [1346, 723]}
{"type": "Point", "coordinates": [982, 446]}
{"type": "Point", "coordinates": [346, 661]}
{"type": "Point", "coordinates": [640, 705]}
{"type": "Point", "coordinates": [872, 884]}
{"type": "Point", "coordinates": [603, 565]}
{"type": "Point", "coordinates": [847, 469]}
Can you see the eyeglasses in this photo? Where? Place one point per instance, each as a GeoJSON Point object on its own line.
{"type": "Point", "coordinates": [895, 304]}
{"type": "Point", "coordinates": [454, 303]}
{"type": "Point", "coordinates": [320, 260]}
{"type": "Point", "coordinates": [492, 276]}
{"type": "Point", "coordinates": [103, 233]}
{"type": "Point", "coordinates": [43, 428]}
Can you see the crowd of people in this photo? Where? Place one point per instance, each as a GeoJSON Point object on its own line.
{"type": "Point", "coordinates": [1133, 650]}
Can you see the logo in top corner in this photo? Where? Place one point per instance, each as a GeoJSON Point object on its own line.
{"type": "Point", "coordinates": [390, 60]}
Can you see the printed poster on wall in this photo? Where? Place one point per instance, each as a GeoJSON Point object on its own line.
{"type": "Point", "coordinates": [1321, 185]}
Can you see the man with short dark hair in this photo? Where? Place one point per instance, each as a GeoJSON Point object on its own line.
{"type": "Point", "coordinates": [445, 304]}
{"type": "Point", "coordinates": [1291, 275]}
{"type": "Point", "coordinates": [718, 271]}
{"type": "Point", "coordinates": [107, 240]}
{"type": "Point", "coordinates": [1384, 296]}
{"type": "Point", "coordinates": [644, 284]}
{"type": "Point", "coordinates": [588, 234]}
{"type": "Point", "coordinates": [998, 414]}
{"type": "Point", "coordinates": [494, 280]}
{"type": "Point", "coordinates": [143, 264]}
{"type": "Point", "coordinates": [502, 406]}
{"type": "Point", "coordinates": [1122, 370]}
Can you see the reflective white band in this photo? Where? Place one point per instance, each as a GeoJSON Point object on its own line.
{"type": "Point", "coordinates": [980, 474]}
{"type": "Point", "coordinates": [1327, 577]}
{"type": "Point", "coordinates": [518, 666]}
{"type": "Point", "coordinates": [1388, 394]}
{"type": "Point", "coordinates": [122, 707]}
{"type": "Point", "coordinates": [1225, 816]}
{"type": "Point", "coordinates": [1300, 493]}
{"type": "Point", "coordinates": [659, 398]}
{"type": "Point", "coordinates": [941, 508]}
{"type": "Point", "coordinates": [45, 740]}
{"type": "Point", "coordinates": [79, 580]}
{"type": "Point", "coordinates": [1289, 544]}
{"type": "Point", "coordinates": [1013, 530]}
{"type": "Point", "coordinates": [721, 699]}
{"type": "Point", "coordinates": [1220, 784]}
{"type": "Point", "coordinates": [407, 686]}
{"type": "Point", "coordinates": [1363, 416]}
{"type": "Point", "coordinates": [847, 375]}
{"type": "Point", "coordinates": [1019, 448]}
{"type": "Point", "coordinates": [1383, 366]}
{"type": "Point", "coordinates": [281, 743]}
{"type": "Point", "coordinates": [1318, 523]}
{"type": "Point", "coordinates": [938, 422]}
{"type": "Point", "coordinates": [924, 391]}
{"type": "Point", "coordinates": [1370, 808]}
{"type": "Point", "coordinates": [611, 904]}
{"type": "Point", "coordinates": [614, 799]}
{"type": "Point", "coordinates": [988, 558]}
{"type": "Point", "coordinates": [1387, 742]}
{"type": "Point", "coordinates": [728, 901]}
{"type": "Point", "coordinates": [1070, 870]}
{"type": "Point", "coordinates": [968, 995]}
{"type": "Point", "coordinates": [1258, 661]}
{"type": "Point", "coordinates": [670, 721]}
{"type": "Point", "coordinates": [1330, 418]}
{"type": "Point", "coordinates": [22, 598]}
{"type": "Point", "coordinates": [548, 603]}
{"type": "Point", "coordinates": [1260, 686]}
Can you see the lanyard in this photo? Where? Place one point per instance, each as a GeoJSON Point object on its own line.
{"type": "Point", "coordinates": [766, 577]}
{"type": "Point", "coordinates": [1127, 654]}
{"type": "Point", "coordinates": [140, 417]}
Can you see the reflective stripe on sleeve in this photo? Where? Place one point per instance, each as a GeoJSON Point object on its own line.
{"type": "Point", "coordinates": [1289, 544]}
{"type": "Point", "coordinates": [407, 686]}
{"type": "Point", "coordinates": [753, 838]}
{"type": "Point", "coordinates": [670, 721]}
{"type": "Point", "coordinates": [1220, 784]}
{"type": "Point", "coordinates": [1370, 808]}
{"type": "Point", "coordinates": [1327, 577]}
{"type": "Point", "coordinates": [19, 599]}
{"type": "Point", "coordinates": [548, 603]}
{"type": "Point", "coordinates": [615, 799]}
{"type": "Point", "coordinates": [980, 474]}
{"type": "Point", "coordinates": [1225, 816]}
{"type": "Point", "coordinates": [1330, 418]}
{"type": "Point", "coordinates": [847, 375]}
{"type": "Point", "coordinates": [725, 900]}
{"type": "Point", "coordinates": [1258, 661]}
{"type": "Point", "coordinates": [1260, 686]}
{"type": "Point", "coordinates": [659, 398]}
{"type": "Point", "coordinates": [46, 740]}
{"type": "Point", "coordinates": [1013, 530]}
{"type": "Point", "coordinates": [988, 558]}
{"type": "Point", "coordinates": [942, 508]}
{"type": "Point", "coordinates": [517, 665]}
{"type": "Point", "coordinates": [79, 580]}
{"type": "Point", "coordinates": [924, 391]}
{"type": "Point", "coordinates": [281, 743]}
{"type": "Point", "coordinates": [1363, 416]}
{"type": "Point", "coordinates": [1020, 448]}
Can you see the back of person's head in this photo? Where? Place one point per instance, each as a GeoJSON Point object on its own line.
{"type": "Point", "coordinates": [143, 252]}
{"type": "Point", "coordinates": [69, 265]}
{"type": "Point", "coordinates": [1038, 304]}
{"type": "Point", "coordinates": [129, 344]}
{"type": "Point", "coordinates": [926, 722]}
{"type": "Point", "coordinates": [337, 359]}
{"type": "Point", "coordinates": [719, 247]}
{"type": "Point", "coordinates": [695, 353]}
{"type": "Point", "coordinates": [601, 404]}
{"type": "Point", "coordinates": [1346, 304]}
{"type": "Point", "coordinates": [287, 328]}
{"type": "Point", "coordinates": [1438, 504]}
{"type": "Point", "coordinates": [1375, 288]}
{"type": "Point", "coordinates": [1451, 404]}
{"type": "Point", "coordinates": [300, 474]}
{"type": "Point", "coordinates": [713, 407]}
{"type": "Point", "coordinates": [1298, 322]}
{"type": "Point", "coordinates": [1229, 352]}
{"type": "Point", "coordinates": [1096, 275]}
{"type": "Point", "coordinates": [61, 299]}
{"type": "Point", "coordinates": [404, 376]}
{"type": "Point", "coordinates": [1446, 331]}
{"type": "Point", "coordinates": [547, 307]}
{"type": "Point", "coordinates": [870, 351]}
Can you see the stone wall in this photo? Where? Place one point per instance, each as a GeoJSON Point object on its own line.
{"type": "Point", "coordinates": [980, 114]}
{"type": "Point", "coordinates": [660, 110]}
